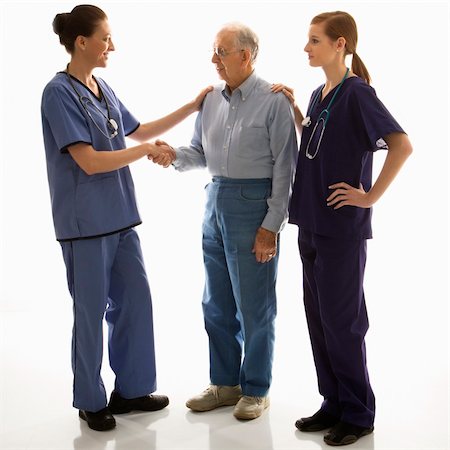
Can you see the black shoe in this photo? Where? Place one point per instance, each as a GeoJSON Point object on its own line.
{"type": "Point", "coordinates": [119, 405]}
{"type": "Point", "coordinates": [321, 420]}
{"type": "Point", "coordinates": [345, 433]}
{"type": "Point", "coordinates": [99, 421]}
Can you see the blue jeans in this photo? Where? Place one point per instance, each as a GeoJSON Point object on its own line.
{"type": "Point", "coordinates": [239, 300]}
{"type": "Point", "coordinates": [106, 277]}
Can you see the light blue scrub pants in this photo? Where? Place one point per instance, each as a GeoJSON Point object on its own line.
{"type": "Point", "coordinates": [239, 301]}
{"type": "Point", "coordinates": [107, 275]}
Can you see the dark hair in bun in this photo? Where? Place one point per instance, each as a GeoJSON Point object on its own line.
{"type": "Point", "coordinates": [81, 21]}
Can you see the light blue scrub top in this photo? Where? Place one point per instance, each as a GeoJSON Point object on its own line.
{"type": "Point", "coordinates": [85, 206]}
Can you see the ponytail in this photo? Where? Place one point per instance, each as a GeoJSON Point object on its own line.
{"type": "Point", "coordinates": [359, 68]}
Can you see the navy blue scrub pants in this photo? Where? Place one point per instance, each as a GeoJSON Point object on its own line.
{"type": "Point", "coordinates": [333, 272]}
{"type": "Point", "coordinates": [239, 301]}
{"type": "Point", "coordinates": [107, 278]}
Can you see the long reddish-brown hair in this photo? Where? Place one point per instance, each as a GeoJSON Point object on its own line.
{"type": "Point", "coordinates": [341, 24]}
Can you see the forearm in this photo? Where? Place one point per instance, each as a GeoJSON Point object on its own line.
{"type": "Point", "coordinates": [396, 157]}
{"type": "Point", "coordinates": [192, 157]}
{"type": "Point", "coordinates": [188, 158]}
{"type": "Point", "coordinates": [283, 147]}
{"type": "Point", "coordinates": [298, 117]}
{"type": "Point", "coordinates": [282, 177]}
{"type": "Point", "coordinates": [278, 203]}
{"type": "Point", "coordinates": [157, 127]}
{"type": "Point", "coordinates": [98, 161]}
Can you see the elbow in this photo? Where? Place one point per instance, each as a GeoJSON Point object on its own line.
{"type": "Point", "coordinates": [409, 149]}
{"type": "Point", "coordinates": [402, 146]}
{"type": "Point", "coordinates": [89, 169]}
{"type": "Point", "coordinates": [140, 135]}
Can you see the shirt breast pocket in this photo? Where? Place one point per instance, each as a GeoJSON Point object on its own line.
{"type": "Point", "coordinates": [253, 138]}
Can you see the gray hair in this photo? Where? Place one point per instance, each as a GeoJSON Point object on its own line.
{"type": "Point", "coordinates": [245, 37]}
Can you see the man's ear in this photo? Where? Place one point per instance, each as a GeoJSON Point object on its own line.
{"type": "Point", "coordinates": [246, 57]}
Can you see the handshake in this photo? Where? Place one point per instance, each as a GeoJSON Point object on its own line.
{"type": "Point", "coordinates": [161, 153]}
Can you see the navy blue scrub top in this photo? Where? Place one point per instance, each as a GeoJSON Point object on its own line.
{"type": "Point", "coordinates": [85, 206]}
{"type": "Point", "coordinates": [357, 124]}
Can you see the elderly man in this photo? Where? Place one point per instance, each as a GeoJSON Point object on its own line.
{"type": "Point", "coordinates": [245, 135]}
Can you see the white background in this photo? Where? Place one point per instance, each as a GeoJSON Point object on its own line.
{"type": "Point", "coordinates": [162, 60]}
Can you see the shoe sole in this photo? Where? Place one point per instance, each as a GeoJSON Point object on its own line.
{"type": "Point", "coordinates": [128, 410]}
{"type": "Point", "coordinates": [250, 416]}
{"type": "Point", "coordinates": [109, 426]}
{"type": "Point", "coordinates": [318, 427]}
{"type": "Point", "coordinates": [350, 439]}
{"type": "Point", "coordinates": [219, 405]}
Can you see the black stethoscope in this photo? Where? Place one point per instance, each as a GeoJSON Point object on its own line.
{"type": "Point", "coordinates": [85, 100]}
{"type": "Point", "coordinates": [321, 120]}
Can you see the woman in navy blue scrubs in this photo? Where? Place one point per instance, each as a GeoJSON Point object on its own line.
{"type": "Point", "coordinates": [95, 212]}
{"type": "Point", "coordinates": [331, 203]}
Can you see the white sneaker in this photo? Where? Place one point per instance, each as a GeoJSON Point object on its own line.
{"type": "Point", "coordinates": [250, 407]}
{"type": "Point", "coordinates": [215, 396]}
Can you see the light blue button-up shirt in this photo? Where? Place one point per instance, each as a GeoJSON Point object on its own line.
{"type": "Point", "coordinates": [248, 134]}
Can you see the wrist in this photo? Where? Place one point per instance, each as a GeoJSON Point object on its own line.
{"type": "Point", "coordinates": [370, 198]}
{"type": "Point", "coordinates": [191, 107]}
{"type": "Point", "coordinates": [265, 230]}
{"type": "Point", "coordinates": [149, 148]}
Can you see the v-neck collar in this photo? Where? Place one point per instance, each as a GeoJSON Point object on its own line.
{"type": "Point", "coordinates": [98, 98]}
{"type": "Point", "coordinates": [332, 90]}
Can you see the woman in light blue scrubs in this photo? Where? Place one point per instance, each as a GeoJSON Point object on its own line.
{"type": "Point", "coordinates": [95, 212]}
{"type": "Point", "coordinates": [331, 204]}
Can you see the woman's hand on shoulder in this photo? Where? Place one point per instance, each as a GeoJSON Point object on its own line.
{"type": "Point", "coordinates": [197, 102]}
{"type": "Point", "coordinates": [287, 91]}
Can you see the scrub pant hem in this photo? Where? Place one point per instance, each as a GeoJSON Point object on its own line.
{"type": "Point", "coordinates": [334, 410]}
{"type": "Point", "coordinates": [362, 423]}
{"type": "Point", "coordinates": [129, 394]}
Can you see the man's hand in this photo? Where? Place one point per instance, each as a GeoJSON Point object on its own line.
{"type": "Point", "coordinates": [162, 154]}
{"type": "Point", "coordinates": [265, 246]}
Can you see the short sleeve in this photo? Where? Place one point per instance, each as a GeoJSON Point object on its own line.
{"type": "Point", "coordinates": [130, 123]}
{"type": "Point", "coordinates": [372, 116]}
{"type": "Point", "coordinates": [67, 123]}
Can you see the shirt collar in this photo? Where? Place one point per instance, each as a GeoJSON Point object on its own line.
{"type": "Point", "coordinates": [245, 88]}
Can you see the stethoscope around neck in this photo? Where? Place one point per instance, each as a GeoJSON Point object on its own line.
{"type": "Point", "coordinates": [85, 100]}
{"type": "Point", "coordinates": [321, 120]}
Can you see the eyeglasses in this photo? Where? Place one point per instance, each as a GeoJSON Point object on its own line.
{"type": "Point", "coordinates": [221, 53]}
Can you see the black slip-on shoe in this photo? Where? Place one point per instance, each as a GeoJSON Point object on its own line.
{"type": "Point", "coordinates": [319, 421]}
{"type": "Point", "coordinates": [119, 405]}
{"type": "Point", "coordinates": [99, 421]}
{"type": "Point", "coordinates": [345, 433]}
